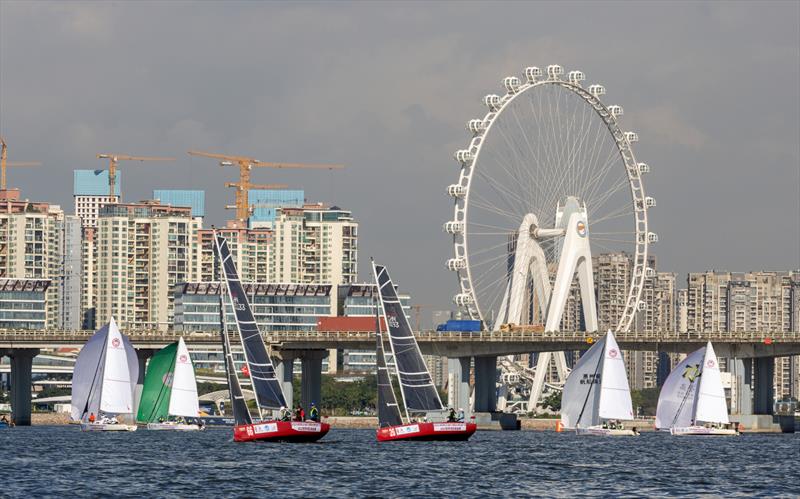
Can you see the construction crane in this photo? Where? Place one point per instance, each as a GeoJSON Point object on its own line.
{"type": "Point", "coordinates": [4, 163]}
{"type": "Point", "coordinates": [243, 186]}
{"type": "Point", "coordinates": [113, 162]}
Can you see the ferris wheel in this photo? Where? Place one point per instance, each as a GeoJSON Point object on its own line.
{"type": "Point", "coordinates": [548, 180]}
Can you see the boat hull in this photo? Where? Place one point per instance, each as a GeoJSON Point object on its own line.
{"type": "Point", "coordinates": [107, 427]}
{"type": "Point", "coordinates": [702, 430]}
{"type": "Point", "coordinates": [281, 431]}
{"type": "Point", "coordinates": [427, 431]}
{"type": "Point", "coordinates": [173, 427]}
{"type": "Point", "coordinates": [605, 432]}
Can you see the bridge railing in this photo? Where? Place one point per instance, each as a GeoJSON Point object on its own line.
{"type": "Point", "coordinates": [9, 335]}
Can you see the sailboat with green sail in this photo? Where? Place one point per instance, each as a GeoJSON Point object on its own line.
{"type": "Point", "coordinates": [170, 391]}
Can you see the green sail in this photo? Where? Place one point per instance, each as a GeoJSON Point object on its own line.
{"type": "Point", "coordinates": [157, 389]}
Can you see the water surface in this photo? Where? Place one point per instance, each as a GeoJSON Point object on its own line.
{"type": "Point", "coordinates": [62, 461]}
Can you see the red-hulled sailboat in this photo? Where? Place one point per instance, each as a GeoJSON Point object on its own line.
{"type": "Point", "coordinates": [416, 386]}
{"type": "Point", "coordinates": [267, 389]}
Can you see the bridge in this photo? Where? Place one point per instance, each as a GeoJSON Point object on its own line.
{"type": "Point", "coordinates": [752, 353]}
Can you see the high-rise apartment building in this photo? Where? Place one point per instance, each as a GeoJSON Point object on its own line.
{"type": "Point", "coordinates": [751, 301]}
{"type": "Point", "coordinates": [36, 239]}
{"type": "Point", "coordinates": [90, 192]}
{"type": "Point", "coordinates": [251, 251]}
{"type": "Point", "coordinates": [314, 245]}
{"type": "Point", "coordinates": [142, 251]}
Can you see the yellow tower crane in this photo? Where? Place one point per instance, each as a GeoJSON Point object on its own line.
{"type": "Point", "coordinates": [243, 185]}
{"type": "Point", "coordinates": [4, 163]}
{"type": "Point", "coordinates": [113, 163]}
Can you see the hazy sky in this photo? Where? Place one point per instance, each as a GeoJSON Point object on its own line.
{"type": "Point", "coordinates": [386, 89]}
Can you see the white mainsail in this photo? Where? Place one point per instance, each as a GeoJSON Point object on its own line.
{"type": "Point", "coordinates": [581, 394]}
{"type": "Point", "coordinates": [87, 372]}
{"type": "Point", "coordinates": [711, 406]}
{"type": "Point", "coordinates": [615, 394]}
{"type": "Point", "coordinates": [117, 390]}
{"type": "Point", "coordinates": [183, 401]}
{"type": "Point", "coordinates": [676, 402]}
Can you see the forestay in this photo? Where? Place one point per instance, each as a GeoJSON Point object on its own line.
{"type": "Point", "coordinates": [416, 385]}
{"type": "Point", "coordinates": [262, 373]}
{"type": "Point", "coordinates": [581, 395]}
{"type": "Point", "coordinates": [676, 402]}
{"type": "Point", "coordinates": [241, 414]}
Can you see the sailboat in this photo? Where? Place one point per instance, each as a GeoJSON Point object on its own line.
{"type": "Point", "coordinates": [268, 392]}
{"type": "Point", "coordinates": [596, 397]}
{"type": "Point", "coordinates": [692, 400]}
{"type": "Point", "coordinates": [103, 380]}
{"type": "Point", "coordinates": [416, 386]}
{"type": "Point", "coordinates": [170, 390]}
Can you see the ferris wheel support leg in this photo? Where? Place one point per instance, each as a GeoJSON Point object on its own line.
{"type": "Point", "coordinates": [542, 366]}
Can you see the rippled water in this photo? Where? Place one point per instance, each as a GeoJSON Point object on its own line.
{"type": "Point", "coordinates": [60, 460]}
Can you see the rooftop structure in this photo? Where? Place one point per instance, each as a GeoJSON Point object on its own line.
{"type": "Point", "coordinates": [180, 197]}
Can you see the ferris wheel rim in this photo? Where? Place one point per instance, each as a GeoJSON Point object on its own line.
{"type": "Point", "coordinates": [468, 168]}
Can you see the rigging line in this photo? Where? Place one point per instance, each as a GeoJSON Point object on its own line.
{"type": "Point", "coordinates": [508, 156]}
{"type": "Point", "coordinates": [685, 397]}
{"type": "Point", "coordinates": [503, 156]}
{"type": "Point", "coordinates": [536, 160]}
{"type": "Point", "coordinates": [579, 148]}
{"type": "Point", "coordinates": [623, 211]}
{"type": "Point", "coordinates": [486, 250]}
{"type": "Point", "coordinates": [597, 180]}
{"type": "Point", "coordinates": [603, 199]}
{"type": "Point", "coordinates": [490, 207]}
{"type": "Point", "coordinates": [592, 156]}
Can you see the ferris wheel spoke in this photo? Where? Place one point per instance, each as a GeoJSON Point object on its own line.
{"type": "Point", "coordinates": [622, 211]}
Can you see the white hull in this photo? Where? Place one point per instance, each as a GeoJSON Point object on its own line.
{"type": "Point", "coordinates": [173, 426]}
{"type": "Point", "coordinates": [605, 432]}
{"type": "Point", "coordinates": [702, 430]}
{"type": "Point", "coordinates": [107, 427]}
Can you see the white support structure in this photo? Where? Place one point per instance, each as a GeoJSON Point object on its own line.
{"type": "Point", "coordinates": [530, 265]}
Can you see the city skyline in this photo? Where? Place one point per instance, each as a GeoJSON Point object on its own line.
{"type": "Point", "coordinates": [720, 137]}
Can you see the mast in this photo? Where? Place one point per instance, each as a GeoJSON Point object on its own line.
{"type": "Point", "coordinates": [416, 386]}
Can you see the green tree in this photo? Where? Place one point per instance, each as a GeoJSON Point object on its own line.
{"type": "Point", "coordinates": [646, 399]}
{"type": "Point", "coordinates": [553, 401]}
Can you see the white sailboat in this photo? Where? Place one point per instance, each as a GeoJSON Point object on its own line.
{"type": "Point", "coordinates": [103, 380]}
{"type": "Point", "coordinates": [692, 400]}
{"type": "Point", "coordinates": [596, 397]}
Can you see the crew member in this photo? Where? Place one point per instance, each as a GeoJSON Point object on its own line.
{"type": "Point", "coordinates": [451, 417]}
{"type": "Point", "coordinates": [91, 418]}
{"type": "Point", "coordinates": [314, 412]}
{"type": "Point", "coordinates": [460, 418]}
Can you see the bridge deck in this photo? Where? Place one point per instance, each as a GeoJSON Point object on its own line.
{"type": "Point", "coordinates": [453, 344]}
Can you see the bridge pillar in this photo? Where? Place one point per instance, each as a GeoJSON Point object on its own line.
{"type": "Point", "coordinates": [284, 371]}
{"type": "Point", "coordinates": [743, 375]}
{"type": "Point", "coordinates": [485, 384]}
{"type": "Point", "coordinates": [142, 354]}
{"type": "Point", "coordinates": [764, 395]}
{"type": "Point", "coordinates": [21, 370]}
{"type": "Point", "coordinates": [311, 380]}
{"type": "Point", "coordinates": [458, 384]}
